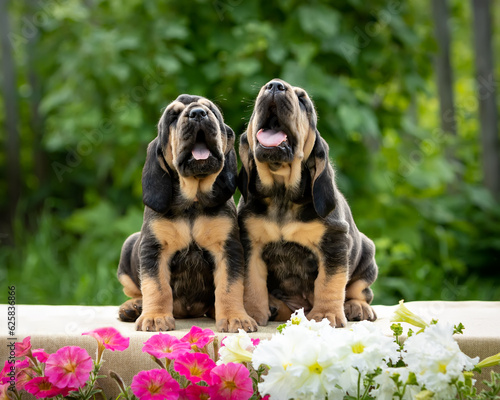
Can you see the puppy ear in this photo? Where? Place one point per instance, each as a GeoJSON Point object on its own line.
{"type": "Point", "coordinates": [323, 179]}
{"type": "Point", "coordinates": [245, 172]}
{"type": "Point", "coordinates": [156, 181]}
{"type": "Point", "coordinates": [226, 182]}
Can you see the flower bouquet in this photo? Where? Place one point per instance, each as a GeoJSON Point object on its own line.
{"type": "Point", "coordinates": [303, 360]}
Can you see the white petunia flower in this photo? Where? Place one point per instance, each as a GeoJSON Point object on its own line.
{"type": "Point", "coordinates": [386, 387]}
{"type": "Point", "coordinates": [436, 359]}
{"type": "Point", "coordinates": [237, 348]}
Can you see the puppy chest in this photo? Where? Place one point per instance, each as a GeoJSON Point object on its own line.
{"type": "Point", "coordinates": [292, 268]}
{"type": "Point", "coordinates": [262, 231]}
{"type": "Point", "coordinates": [208, 233]}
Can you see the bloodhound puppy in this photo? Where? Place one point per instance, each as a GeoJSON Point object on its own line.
{"type": "Point", "coordinates": [187, 260]}
{"type": "Point", "coordinates": [302, 247]}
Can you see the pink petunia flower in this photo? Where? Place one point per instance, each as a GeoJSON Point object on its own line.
{"type": "Point", "coordinates": [255, 342]}
{"type": "Point", "coordinates": [41, 388]}
{"type": "Point", "coordinates": [195, 366]}
{"type": "Point", "coordinates": [24, 373]}
{"type": "Point", "coordinates": [23, 348]}
{"type": "Point", "coordinates": [155, 384]}
{"type": "Point", "coordinates": [40, 355]}
{"type": "Point", "coordinates": [110, 338]}
{"type": "Point", "coordinates": [4, 389]}
{"type": "Point", "coordinates": [194, 392]}
{"type": "Point", "coordinates": [165, 346]}
{"type": "Point", "coordinates": [198, 337]}
{"type": "Point", "coordinates": [69, 366]}
{"type": "Point", "coordinates": [6, 370]}
{"type": "Point", "coordinates": [231, 381]}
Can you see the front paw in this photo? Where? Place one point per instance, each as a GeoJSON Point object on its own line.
{"type": "Point", "coordinates": [336, 317]}
{"type": "Point", "coordinates": [359, 310]}
{"type": "Point", "coordinates": [155, 322]}
{"type": "Point", "coordinates": [261, 316]}
{"type": "Point", "coordinates": [235, 322]}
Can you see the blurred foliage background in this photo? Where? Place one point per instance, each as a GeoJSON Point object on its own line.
{"type": "Point", "coordinates": [91, 80]}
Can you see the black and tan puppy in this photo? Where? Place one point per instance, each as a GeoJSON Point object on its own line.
{"type": "Point", "coordinates": [301, 243]}
{"type": "Point", "coordinates": [188, 258]}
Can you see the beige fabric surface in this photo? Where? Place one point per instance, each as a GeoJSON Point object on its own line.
{"type": "Point", "coordinates": [52, 327]}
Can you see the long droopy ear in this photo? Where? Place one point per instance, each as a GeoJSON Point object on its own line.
{"type": "Point", "coordinates": [323, 179]}
{"type": "Point", "coordinates": [156, 181]}
{"type": "Point", "coordinates": [245, 171]}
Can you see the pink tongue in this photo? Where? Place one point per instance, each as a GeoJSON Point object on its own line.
{"type": "Point", "coordinates": [270, 138]}
{"type": "Point", "coordinates": [200, 151]}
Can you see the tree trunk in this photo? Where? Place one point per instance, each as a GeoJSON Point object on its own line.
{"type": "Point", "coordinates": [11, 113]}
{"type": "Point", "coordinates": [36, 119]}
{"type": "Point", "coordinates": [487, 95]}
{"type": "Point", "coordinates": [443, 66]}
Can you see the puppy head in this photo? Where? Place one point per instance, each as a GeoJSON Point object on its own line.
{"type": "Point", "coordinates": [283, 125]}
{"type": "Point", "coordinates": [280, 140]}
{"type": "Point", "coordinates": [194, 137]}
{"type": "Point", "coordinates": [196, 145]}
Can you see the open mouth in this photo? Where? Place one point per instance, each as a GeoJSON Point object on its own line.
{"type": "Point", "coordinates": [200, 150]}
{"type": "Point", "coordinates": [271, 134]}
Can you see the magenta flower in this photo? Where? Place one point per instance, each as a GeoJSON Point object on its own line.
{"type": "Point", "coordinates": [4, 374]}
{"type": "Point", "coordinates": [110, 338]}
{"type": "Point", "coordinates": [198, 337]}
{"type": "Point", "coordinates": [40, 355]}
{"type": "Point", "coordinates": [41, 388]}
{"type": "Point", "coordinates": [155, 384]}
{"type": "Point", "coordinates": [255, 342]}
{"type": "Point", "coordinates": [194, 392]}
{"type": "Point", "coordinates": [165, 346]}
{"type": "Point", "coordinates": [24, 373]}
{"type": "Point", "coordinates": [23, 348]}
{"type": "Point", "coordinates": [69, 367]}
{"type": "Point", "coordinates": [4, 390]}
{"type": "Point", "coordinates": [231, 381]}
{"type": "Point", "coordinates": [195, 366]}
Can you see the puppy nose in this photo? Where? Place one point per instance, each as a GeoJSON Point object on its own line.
{"type": "Point", "coordinates": [275, 86]}
{"type": "Point", "coordinates": [197, 113]}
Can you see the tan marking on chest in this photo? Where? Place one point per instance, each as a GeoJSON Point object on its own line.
{"type": "Point", "coordinates": [212, 233]}
{"type": "Point", "coordinates": [308, 234]}
{"type": "Point", "coordinates": [263, 231]}
{"type": "Point", "coordinates": [175, 235]}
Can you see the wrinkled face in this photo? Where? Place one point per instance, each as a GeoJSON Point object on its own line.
{"type": "Point", "coordinates": [193, 136]}
{"type": "Point", "coordinates": [282, 127]}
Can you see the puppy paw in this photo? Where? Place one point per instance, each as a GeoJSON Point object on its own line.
{"type": "Point", "coordinates": [232, 324]}
{"type": "Point", "coordinates": [260, 316]}
{"type": "Point", "coordinates": [130, 310]}
{"type": "Point", "coordinates": [337, 319]}
{"type": "Point", "coordinates": [155, 323]}
{"type": "Point", "coordinates": [359, 310]}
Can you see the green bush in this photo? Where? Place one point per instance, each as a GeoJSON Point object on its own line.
{"type": "Point", "coordinates": [107, 69]}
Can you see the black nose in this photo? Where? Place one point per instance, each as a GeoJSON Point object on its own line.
{"type": "Point", "coordinates": [197, 113]}
{"type": "Point", "coordinates": [275, 86]}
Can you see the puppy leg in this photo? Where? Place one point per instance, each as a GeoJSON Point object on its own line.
{"type": "Point", "coordinates": [358, 293]}
{"type": "Point", "coordinates": [220, 237]}
{"type": "Point", "coordinates": [329, 295]}
{"type": "Point", "coordinates": [230, 314]}
{"type": "Point", "coordinates": [128, 277]}
{"type": "Point", "coordinates": [256, 295]}
{"type": "Point", "coordinates": [132, 308]}
{"type": "Point", "coordinates": [358, 297]}
{"type": "Point", "coordinates": [157, 301]}
{"type": "Point", "coordinates": [279, 310]}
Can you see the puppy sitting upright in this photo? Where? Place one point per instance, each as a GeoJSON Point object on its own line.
{"type": "Point", "coordinates": [301, 243]}
{"type": "Point", "coordinates": [187, 257]}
